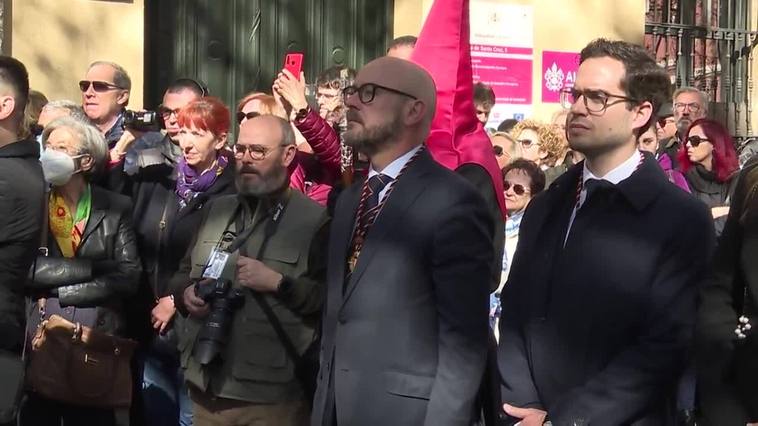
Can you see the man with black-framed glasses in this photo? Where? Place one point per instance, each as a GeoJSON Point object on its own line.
{"type": "Point", "coordinates": [599, 307]}
{"type": "Point", "coordinates": [404, 337]}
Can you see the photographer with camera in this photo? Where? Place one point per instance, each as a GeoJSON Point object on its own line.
{"type": "Point", "coordinates": [250, 289]}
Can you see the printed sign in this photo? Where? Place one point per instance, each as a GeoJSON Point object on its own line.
{"type": "Point", "coordinates": [558, 71]}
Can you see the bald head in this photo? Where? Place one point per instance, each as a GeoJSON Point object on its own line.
{"type": "Point", "coordinates": [267, 130]}
{"type": "Point", "coordinates": [404, 76]}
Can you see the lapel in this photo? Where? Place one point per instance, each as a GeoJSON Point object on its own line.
{"type": "Point", "coordinates": [542, 233]}
{"type": "Point", "coordinates": [100, 204]}
{"type": "Point", "coordinates": [407, 189]}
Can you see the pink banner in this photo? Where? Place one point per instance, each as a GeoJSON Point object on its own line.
{"type": "Point", "coordinates": [558, 71]}
{"type": "Point", "coordinates": [508, 70]}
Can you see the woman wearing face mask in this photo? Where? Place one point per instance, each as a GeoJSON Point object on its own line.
{"type": "Point", "coordinates": [167, 211]}
{"type": "Point", "coordinates": [709, 163]}
{"type": "Point", "coordinates": [92, 266]}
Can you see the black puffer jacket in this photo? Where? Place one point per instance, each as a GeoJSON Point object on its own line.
{"type": "Point", "coordinates": [93, 286]}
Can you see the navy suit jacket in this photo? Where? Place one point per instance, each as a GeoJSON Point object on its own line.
{"type": "Point", "coordinates": [598, 331]}
{"type": "Point", "coordinates": [405, 342]}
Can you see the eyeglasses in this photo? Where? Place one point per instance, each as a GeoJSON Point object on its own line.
{"type": "Point", "coordinates": [241, 116]}
{"type": "Point", "coordinates": [99, 86]}
{"type": "Point", "coordinates": [680, 106]}
{"type": "Point", "coordinates": [594, 100]}
{"type": "Point", "coordinates": [695, 140]}
{"type": "Point", "coordinates": [257, 152]}
{"type": "Point", "coordinates": [366, 92]}
{"type": "Point", "coordinates": [517, 188]}
{"type": "Point", "coordinates": [526, 143]}
{"type": "Point", "coordinates": [166, 112]}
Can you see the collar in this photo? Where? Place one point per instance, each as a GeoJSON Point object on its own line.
{"type": "Point", "coordinates": [620, 173]}
{"type": "Point", "coordinates": [394, 168]}
{"type": "Point", "coordinates": [25, 148]}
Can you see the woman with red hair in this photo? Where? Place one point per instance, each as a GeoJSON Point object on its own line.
{"type": "Point", "coordinates": [168, 208]}
{"type": "Point", "coordinates": [709, 163]}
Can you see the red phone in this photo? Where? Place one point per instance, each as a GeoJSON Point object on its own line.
{"type": "Point", "coordinates": [293, 63]}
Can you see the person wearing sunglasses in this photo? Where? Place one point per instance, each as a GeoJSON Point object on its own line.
{"type": "Point", "coordinates": [105, 94]}
{"type": "Point", "coordinates": [543, 144]}
{"type": "Point", "coordinates": [522, 180]}
{"type": "Point", "coordinates": [506, 148]}
{"type": "Point", "coordinates": [709, 163]}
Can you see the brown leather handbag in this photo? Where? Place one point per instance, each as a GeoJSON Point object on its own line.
{"type": "Point", "coordinates": [75, 364]}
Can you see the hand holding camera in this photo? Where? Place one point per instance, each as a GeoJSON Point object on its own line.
{"type": "Point", "coordinates": [196, 306]}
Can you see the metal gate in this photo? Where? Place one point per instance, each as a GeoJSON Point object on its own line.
{"type": "Point", "coordinates": [709, 44]}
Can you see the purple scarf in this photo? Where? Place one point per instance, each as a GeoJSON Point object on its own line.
{"type": "Point", "coordinates": [189, 183]}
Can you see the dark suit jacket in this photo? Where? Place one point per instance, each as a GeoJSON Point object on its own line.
{"type": "Point", "coordinates": [406, 343]}
{"type": "Point", "coordinates": [724, 400]}
{"type": "Point", "coordinates": [598, 330]}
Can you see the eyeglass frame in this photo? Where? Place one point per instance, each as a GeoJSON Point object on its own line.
{"type": "Point", "coordinates": [353, 89]}
{"type": "Point", "coordinates": [508, 185]}
{"type": "Point", "coordinates": [246, 115]}
{"type": "Point", "coordinates": [249, 149]}
{"type": "Point", "coordinates": [692, 106]}
{"type": "Point", "coordinates": [570, 91]}
{"type": "Point", "coordinates": [91, 83]}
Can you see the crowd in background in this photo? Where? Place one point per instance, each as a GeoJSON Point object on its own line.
{"type": "Point", "coordinates": [125, 218]}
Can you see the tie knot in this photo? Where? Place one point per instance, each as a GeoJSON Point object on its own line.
{"type": "Point", "coordinates": [377, 183]}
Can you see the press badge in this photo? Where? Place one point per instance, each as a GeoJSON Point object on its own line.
{"type": "Point", "coordinates": [216, 263]}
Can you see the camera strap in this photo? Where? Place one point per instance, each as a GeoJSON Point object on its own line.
{"type": "Point", "coordinates": [271, 225]}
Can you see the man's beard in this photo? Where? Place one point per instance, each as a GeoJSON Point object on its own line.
{"type": "Point", "coordinates": [683, 124]}
{"type": "Point", "coordinates": [370, 140]}
{"type": "Point", "coordinates": [266, 184]}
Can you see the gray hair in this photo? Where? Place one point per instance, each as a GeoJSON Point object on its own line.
{"type": "Point", "coordinates": [71, 109]}
{"type": "Point", "coordinates": [689, 89]}
{"type": "Point", "coordinates": [91, 141]}
{"type": "Point", "coordinates": [120, 76]}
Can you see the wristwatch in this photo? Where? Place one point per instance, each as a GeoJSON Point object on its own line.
{"type": "Point", "coordinates": [284, 287]}
{"type": "Point", "coordinates": [302, 113]}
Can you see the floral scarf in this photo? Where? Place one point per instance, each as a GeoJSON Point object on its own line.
{"type": "Point", "coordinates": [68, 229]}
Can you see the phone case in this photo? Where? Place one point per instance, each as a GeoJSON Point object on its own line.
{"type": "Point", "coordinates": [293, 63]}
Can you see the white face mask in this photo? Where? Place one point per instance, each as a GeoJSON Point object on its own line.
{"type": "Point", "coordinates": [58, 167]}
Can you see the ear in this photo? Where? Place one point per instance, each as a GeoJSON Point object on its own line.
{"type": "Point", "coordinates": [86, 163]}
{"type": "Point", "coordinates": [642, 113]}
{"type": "Point", "coordinates": [7, 105]}
{"type": "Point", "coordinates": [220, 141]}
{"type": "Point", "coordinates": [415, 112]}
{"type": "Point", "coordinates": [542, 153]}
{"type": "Point", "coordinates": [123, 98]}
{"type": "Point", "coordinates": [289, 155]}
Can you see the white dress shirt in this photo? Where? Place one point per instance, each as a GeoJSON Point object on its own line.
{"type": "Point", "coordinates": [393, 169]}
{"type": "Point", "coordinates": [615, 176]}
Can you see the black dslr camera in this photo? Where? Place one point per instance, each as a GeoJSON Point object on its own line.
{"type": "Point", "coordinates": [224, 301]}
{"type": "Point", "coordinates": [142, 121]}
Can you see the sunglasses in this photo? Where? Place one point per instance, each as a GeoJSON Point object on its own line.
{"type": "Point", "coordinates": [664, 121]}
{"type": "Point", "coordinates": [517, 188]}
{"type": "Point", "coordinates": [696, 140]}
{"type": "Point", "coordinates": [98, 86]}
{"type": "Point", "coordinates": [241, 116]}
{"type": "Point", "coordinates": [498, 150]}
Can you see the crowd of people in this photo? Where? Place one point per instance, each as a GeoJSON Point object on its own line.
{"type": "Point", "coordinates": [372, 255]}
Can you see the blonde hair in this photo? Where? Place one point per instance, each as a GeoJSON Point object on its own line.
{"type": "Point", "coordinates": [551, 140]}
{"type": "Point", "coordinates": [268, 104]}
